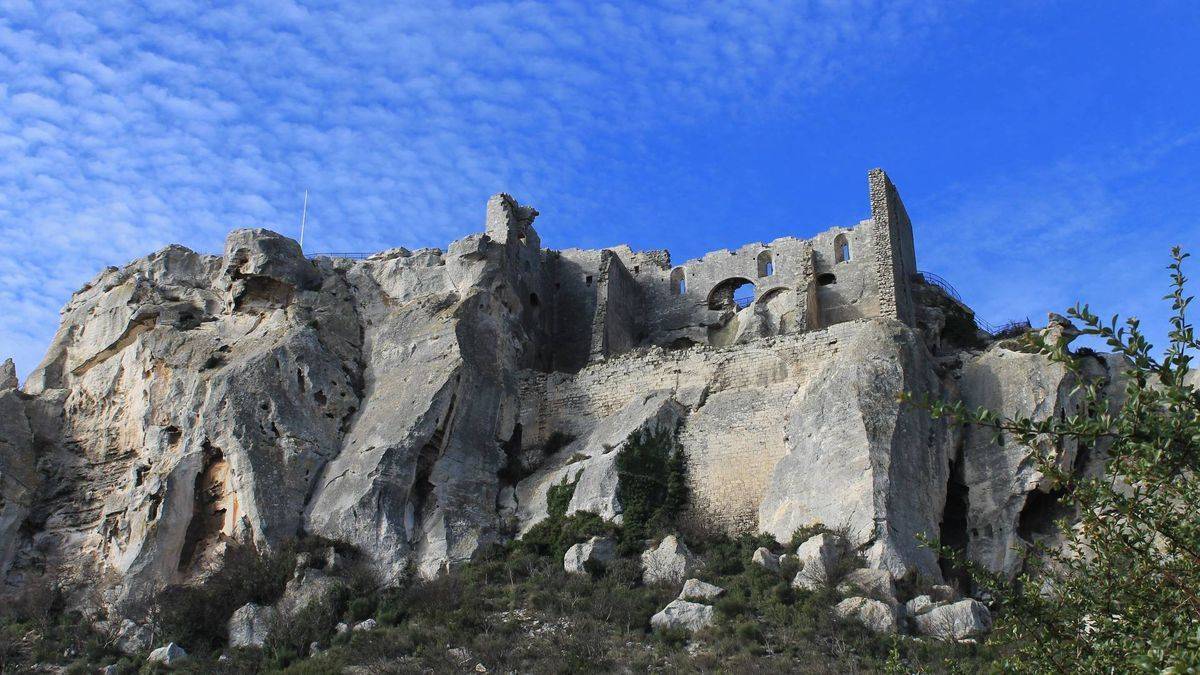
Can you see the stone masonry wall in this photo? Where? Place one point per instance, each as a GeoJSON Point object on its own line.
{"type": "Point", "coordinates": [737, 398]}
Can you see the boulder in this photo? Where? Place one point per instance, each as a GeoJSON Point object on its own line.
{"type": "Point", "coordinates": [598, 551]}
{"type": "Point", "coordinates": [168, 655]}
{"type": "Point", "coordinates": [691, 616]}
{"type": "Point", "coordinates": [133, 638]}
{"type": "Point", "coordinates": [919, 605]}
{"type": "Point", "coordinates": [250, 624]}
{"type": "Point", "coordinates": [818, 556]}
{"type": "Point", "coordinates": [363, 626]}
{"type": "Point", "coordinates": [668, 563]}
{"type": "Point", "coordinates": [309, 586]}
{"type": "Point", "coordinates": [878, 617]}
{"type": "Point", "coordinates": [699, 591]}
{"type": "Point", "coordinates": [875, 584]}
{"type": "Point", "coordinates": [942, 593]}
{"type": "Point", "coordinates": [765, 559]}
{"type": "Point", "coordinates": [960, 620]}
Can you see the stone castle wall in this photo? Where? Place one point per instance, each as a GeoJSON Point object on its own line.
{"type": "Point", "coordinates": [738, 399]}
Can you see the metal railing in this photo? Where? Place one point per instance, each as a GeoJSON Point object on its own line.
{"type": "Point", "coordinates": [1006, 329]}
{"type": "Point", "coordinates": [352, 256]}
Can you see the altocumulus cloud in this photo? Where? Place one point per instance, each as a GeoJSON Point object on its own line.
{"type": "Point", "coordinates": [125, 127]}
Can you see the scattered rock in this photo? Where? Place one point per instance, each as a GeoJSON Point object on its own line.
{"type": "Point", "coordinates": [691, 616]}
{"type": "Point", "coordinates": [133, 638]}
{"type": "Point", "coordinates": [334, 562]}
{"type": "Point", "coordinates": [818, 556]}
{"type": "Point", "coordinates": [597, 550]}
{"type": "Point", "coordinates": [110, 670]}
{"type": "Point", "coordinates": [363, 626]}
{"type": "Point", "coordinates": [342, 627]}
{"type": "Point", "coordinates": [315, 648]}
{"type": "Point", "coordinates": [957, 621]}
{"type": "Point", "coordinates": [878, 617]}
{"type": "Point", "coordinates": [668, 563]}
{"type": "Point", "coordinates": [250, 624]}
{"type": "Point", "coordinates": [767, 560]}
{"type": "Point", "coordinates": [168, 655]}
{"type": "Point", "coordinates": [943, 593]}
{"type": "Point", "coordinates": [700, 591]}
{"type": "Point", "coordinates": [875, 584]}
{"type": "Point", "coordinates": [310, 587]}
{"type": "Point", "coordinates": [461, 655]}
{"type": "Point", "coordinates": [919, 605]}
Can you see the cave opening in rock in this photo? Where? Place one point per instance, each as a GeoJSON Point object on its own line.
{"type": "Point", "coordinates": [1038, 516]}
{"type": "Point", "coordinates": [953, 533]}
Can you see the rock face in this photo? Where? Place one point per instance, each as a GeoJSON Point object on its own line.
{"type": "Point", "coordinates": [668, 563]}
{"type": "Point", "coordinates": [420, 405]}
{"type": "Point", "coordinates": [1010, 503]}
{"type": "Point", "coordinates": [859, 458]}
{"type": "Point", "coordinates": [681, 614]}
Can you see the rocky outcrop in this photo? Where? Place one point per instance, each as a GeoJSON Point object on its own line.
{"type": "Point", "coordinates": [420, 405]}
{"type": "Point", "coordinates": [860, 459]}
{"type": "Point", "coordinates": [1010, 503]}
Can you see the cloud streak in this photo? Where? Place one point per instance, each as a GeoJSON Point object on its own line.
{"type": "Point", "coordinates": [124, 127]}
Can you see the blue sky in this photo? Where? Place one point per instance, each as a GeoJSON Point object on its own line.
{"type": "Point", "coordinates": [1046, 152]}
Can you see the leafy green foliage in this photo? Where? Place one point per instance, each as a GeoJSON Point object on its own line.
{"type": "Point", "coordinates": [558, 531]}
{"type": "Point", "coordinates": [652, 483]}
{"type": "Point", "coordinates": [1121, 594]}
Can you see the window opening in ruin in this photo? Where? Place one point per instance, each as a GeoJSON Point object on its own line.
{"type": "Point", "coordinates": [732, 293]}
{"type": "Point", "coordinates": [637, 269]}
{"type": "Point", "coordinates": [533, 300]}
{"type": "Point", "coordinates": [841, 248]}
{"type": "Point", "coordinates": [826, 279]}
{"type": "Point", "coordinates": [678, 282]}
{"type": "Point", "coordinates": [526, 265]}
{"type": "Point", "coordinates": [588, 280]}
{"type": "Point", "coordinates": [766, 264]}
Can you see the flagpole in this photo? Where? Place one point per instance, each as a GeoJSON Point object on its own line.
{"type": "Point", "coordinates": [303, 218]}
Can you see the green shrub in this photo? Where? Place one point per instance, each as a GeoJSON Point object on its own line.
{"type": "Point", "coordinates": [652, 483]}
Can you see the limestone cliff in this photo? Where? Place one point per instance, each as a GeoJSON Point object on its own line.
{"type": "Point", "coordinates": [190, 402]}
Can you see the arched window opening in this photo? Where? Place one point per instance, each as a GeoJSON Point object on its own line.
{"type": "Point", "coordinates": [732, 293]}
{"type": "Point", "coordinates": [841, 248]}
{"type": "Point", "coordinates": [678, 281]}
{"type": "Point", "coordinates": [826, 279]}
{"type": "Point", "coordinates": [766, 264]}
